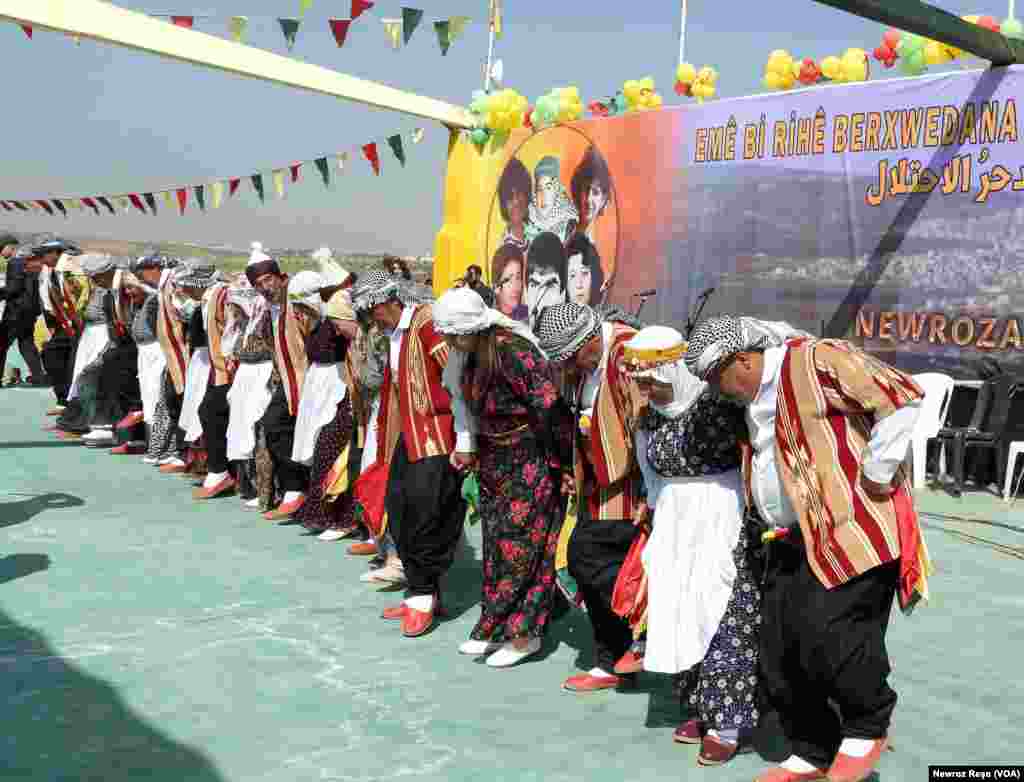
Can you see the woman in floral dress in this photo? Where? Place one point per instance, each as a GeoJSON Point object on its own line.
{"type": "Point", "coordinates": [503, 387]}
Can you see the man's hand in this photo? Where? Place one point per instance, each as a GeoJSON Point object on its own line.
{"type": "Point", "coordinates": [642, 515]}
{"type": "Point", "coordinates": [877, 490]}
{"type": "Point", "coordinates": [568, 484]}
{"type": "Point", "coordinates": [462, 460]}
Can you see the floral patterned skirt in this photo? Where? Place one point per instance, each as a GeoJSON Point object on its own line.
{"type": "Point", "coordinates": [724, 694]}
{"type": "Point", "coordinates": [316, 514]}
{"type": "Point", "coordinates": [521, 510]}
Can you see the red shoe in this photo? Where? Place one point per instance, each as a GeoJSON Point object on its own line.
{"type": "Point", "coordinates": [416, 623]}
{"type": "Point", "coordinates": [130, 420]}
{"type": "Point", "coordinates": [173, 469]}
{"type": "Point", "coordinates": [128, 449]}
{"type": "Point", "coordinates": [224, 487]}
{"type": "Point", "coordinates": [584, 682]}
{"type": "Point", "coordinates": [690, 732]}
{"type": "Point", "coordinates": [715, 752]}
{"type": "Point", "coordinates": [630, 662]}
{"type": "Point", "coordinates": [846, 768]}
{"type": "Point", "coordinates": [285, 509]}
{"type": "Point", "coordinates": [780, 774]}
{"type": "Point", "coordinates": [364, 549]}
{"type": "Point", "coordinates": [394, 612]}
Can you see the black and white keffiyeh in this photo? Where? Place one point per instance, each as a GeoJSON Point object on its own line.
{"type": "Point", "coordinates": [379, 287]}
{"type": "Point", "coordinates": [152, 261]}
{"type": "Point", "coordinates": [196, 273]}
{"type": "Point", "coordinates": [563, 329]}
{"type": "Point", "coordinates": [718, 338]}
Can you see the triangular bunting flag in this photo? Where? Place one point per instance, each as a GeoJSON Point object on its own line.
{"type": "Point", "coordinates": [200, 197]}
{"type": "Point", "coordinates": [183, 21]}
{"type": "Point", "coordinates": [45, 207]}
{"type": "Point", "coordinates": [19, 205]}
{"type": "Point", "coordinates": [393, 29]}
{"type": "Point", "coordinates": [457, 26]}
{"type": "Point", "coordinates": [233, 186]}
{"type": "Point", "coordinates": [137, 202]}
{"type": "Point", "coordinates": [340, 29]}
{"type": "Point", "coordinates": [304, 5]}
{"type": "Point", "coordinates": [28, 30]}
{"type": "Point", "coordinates": [370, 153]}
{"type": "Point", "coordinates": [237, 27]}
{"type": "Point", "coordinates": [290, 28]}
{"type": "Point", "coordinates": [182, 199]}
{"type": "Point", "coordinates": [217, 191]}
{"type": "Point", "coordinates": [359, 7]}
{"type": "Point", "coordinates": [417, 136]}
{"type": "Point", "coordinates": [169, 199]}
{"type": "Point", "coordinates": [77, 205]}
{"type": "Point", "coordinates": [410, 21]}
{"type": "Point", "coordinates": [7, 207]}
{"type": "Point", "coordinates": [150, 202]}
{"type": "Point", "coordinates": [443, 35]}
{"type": "Point", "coordinates": [294, 170]}
{"type": "Point", "coordinates": [341, 160]}
{"type": "Point", "coordinates": [278, 175]}
{"type": "Point", "coordinates": [324, 169]}
{"type": "Point", "coordinates": [88, 202]}
{"type": "Point", "coordinates": [110, 207]}
{"type": "Point", "coordinates": [257, 183]}
{"type": "Point", "coordinates": [124, 203]}
{"type": "Point", "coordinates": [60, 207]}
{"type": "Point", "coordinates": [395, 142]}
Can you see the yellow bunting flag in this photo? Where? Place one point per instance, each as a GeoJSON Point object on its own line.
{"type": "Point", "coordinates": [124, 203]}
{"type": "Point", "coordinates": [417, 136]}
{"type": "Point", "coordinates": [237, 26]}
{"type": "Point", "coordinates": [304, 5]}
{"type": "Point", "coordinates": [456, 26]}
{"type": "Point", "coordinates": [216, 194]}
{"type": "Point", "coordinates": [342, 159]}
{"type": "Point", "coordinates": [169, 199]}
{"type": "Point", "coordinates": [76, 204]}
{"type": "Point", "coordinates": [393, 28]}
{"type": "Point", "coordinates": [279, 181]}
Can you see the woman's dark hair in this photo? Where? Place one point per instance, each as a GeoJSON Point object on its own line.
{"type": "Point", "coordinates": [514, 178]}
{"type": "Point", "coordinates": [390, 262]}
{"type": "Point", "coordinates": [474, 275]}
{"type": "Point", "coordinates": [591, 169]}
{"type": "Point", "coordinates": [547, 251]}
{"type": "Point", "coordinates": [501, 259]}
{"type": "Point", "coordinates": [581, 245]}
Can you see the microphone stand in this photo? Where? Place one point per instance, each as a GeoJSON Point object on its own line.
{"type": "Point", "coordinates": [640, 306]}
{"type": "Point", "coordinates": [694, 318]}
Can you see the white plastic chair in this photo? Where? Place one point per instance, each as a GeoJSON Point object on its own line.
{"type": "Point", "coordinates": [938, 390]}
{"type": "Point", "coordinates": [1015, 449]}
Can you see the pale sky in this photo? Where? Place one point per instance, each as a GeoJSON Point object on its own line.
{"type": "Point", "coordinates": [96, 119]}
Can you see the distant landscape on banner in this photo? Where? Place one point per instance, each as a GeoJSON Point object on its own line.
{"type": "Point", "coordinates": [889, 213]}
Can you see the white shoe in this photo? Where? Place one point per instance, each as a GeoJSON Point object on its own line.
{"type": "Point", "coordinates": [330, 535]}
{"type": "Point", "coordinates": [389, 574]}
{"type": "Point", "coordinates": [508, 655]}
{"type": "Point", "coordinates": [150, 460]}
{"type": "Point", "coordinates": [478, 648]}
{"type": "Point", "coordinates": [253, 504]}
{"type": "Point", "coordinates": [172, 460]}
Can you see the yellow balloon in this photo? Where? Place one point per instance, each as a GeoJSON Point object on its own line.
{"type": "Point", "coordinates": [686, 73]}
{"type": "Point", "coordinates": [831, 67]}
{"type": "Point", "coordinates": [772, 80]}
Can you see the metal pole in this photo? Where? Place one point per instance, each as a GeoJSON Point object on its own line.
{"type": "Point", "coordinates": [490, 47]}
{"type": "Point", "coordinates": [682, 32]}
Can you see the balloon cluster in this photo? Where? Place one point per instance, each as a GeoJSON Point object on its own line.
{"type": "Point", "coordinates": [915, 53]}
{"type": "Point", "coordinates": [497, 112]}
{"type": "Point", "coordinates": [640, 95]}
{"type": "Point", "coordinates": [783, 71]}
{"type": "Point", "coordinates": [698, 84]}
{"type": "Point", "coordinates": [562, 104]}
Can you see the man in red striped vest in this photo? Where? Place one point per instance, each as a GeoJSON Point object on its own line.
{"type": "Point", "coordinates": [829, 428]}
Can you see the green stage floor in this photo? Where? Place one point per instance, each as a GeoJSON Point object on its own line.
{"type": "Point", "coordinates": [144, 636]}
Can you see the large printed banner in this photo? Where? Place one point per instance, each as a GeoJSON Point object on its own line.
{"type": "Point", "coordinates": [889, 213]}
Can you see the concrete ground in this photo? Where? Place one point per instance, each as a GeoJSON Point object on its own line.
{"type": "Point", "coordinates": [146, 636]}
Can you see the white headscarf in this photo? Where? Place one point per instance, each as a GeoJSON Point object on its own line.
{"type": "Point", "coordinates": [304, 288]}
{"type": "Point", "coordinates": [331, 271]}
{"type": "Point", "coordinates": [685, 387]}
{"type": "Point", "coordinates": [461, 311]}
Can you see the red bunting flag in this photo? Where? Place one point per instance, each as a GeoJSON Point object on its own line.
{"type": "Point", "coordinates": [233, 186]}
{"type": "Point", "coordinates": [294, 168]}
{"type": "Point", "coordinates": [92, 205]}
{"type": "Point", "coordinates": [137, 202]}
{"type": "Point", "coordinates": [340, 29]}
{"type": "Point", "coordinates": [6, 206]}
{"type": "Point", "coordinates": [45, 206]}
{"type": "Point", "coordinates": [183, 21]}
{"type": "Point", "coordinates": [28, 30]}
{"type": "Point", "coordinates": [359, 7]}
{"type": "Point", "coordinates": [370, 153]}
{"type": "Point", "coordinates": [182, 199]}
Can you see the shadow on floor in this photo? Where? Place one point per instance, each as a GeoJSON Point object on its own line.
{"type": "Point", "coordinates": [20, 511]}
{"type": "Point", "coordinates": [14, 566]}
{"type": "Point", "coordinates": [62, 723]}
{"type": "Point", "coordinates": [41, 444]}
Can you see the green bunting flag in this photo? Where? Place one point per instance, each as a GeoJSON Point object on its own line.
{"type": "Point", "coordinates": [443, 30]}
{"type": "Point", "coordinates": [257, 183]}
{"type": "Point", "coordinates": [237, 26]}
{"type": "Point", "coordinates": [395, 142]}
{"type": "Point", "coordinates": [410, 21]}
{"type": "Point", "coordinates": [324, 169]}
{"type": "Point", "coordinates": [200, 197]}
{"type": "Point", "coordinates": [290, 28]}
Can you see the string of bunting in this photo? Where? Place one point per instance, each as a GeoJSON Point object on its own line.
{"type": "Point", "coordinates": [213, 193]}
{"type": "Point", "coordinates": [398, 31]}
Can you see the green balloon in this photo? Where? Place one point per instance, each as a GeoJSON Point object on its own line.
{"type": "Point", "coordinates": [1012, 28]}
{"type": "Point", "coordinates": [479, 136]}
